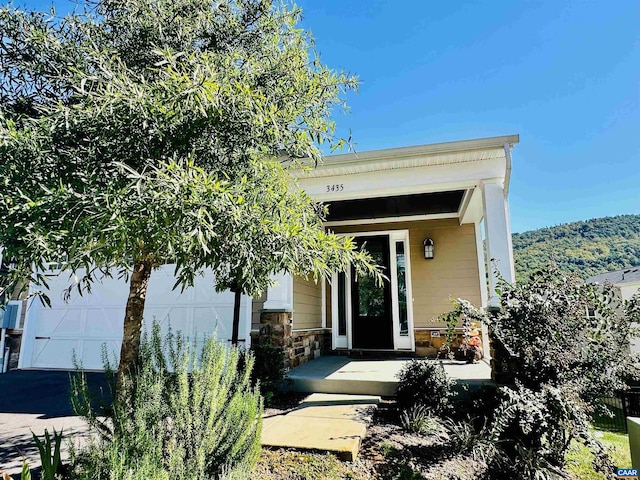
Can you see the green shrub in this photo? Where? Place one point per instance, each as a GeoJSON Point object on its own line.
{"type": "Point", "coordinates": [182, 415]}
{"type": "Point", "coordinates": [466, 439]}
{"type": "Point", "coordinates": [268, 370]}
{"type": "Point", "coordinates": [49, 451]}
{"type": "Point", "coordinates": [418, 419]}
{"type": "Point", "coordinates": [546, 326]}
{"type": "Point", "coordinates": [424, 382]}
{"type": "Point", "coordinates": [25, 474]}
{"type": "Point", "coordinates": [535, 429]}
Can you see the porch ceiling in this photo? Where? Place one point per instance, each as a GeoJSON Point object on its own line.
{"type": "Point", "coordinates": [396, 206]}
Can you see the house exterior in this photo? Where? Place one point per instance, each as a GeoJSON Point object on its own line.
{"type": "Point", "coordinates": [398, 202]}
{"type": "Point", "coordinates": [626, 280]}
{"type": "Point", "coordinates": [427, 214]}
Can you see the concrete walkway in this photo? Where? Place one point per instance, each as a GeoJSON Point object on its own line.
{"type": "Point", "coordinates": [323, 422]}
{"type": "Point", "coordinates": [338, 374]}
{"type": "Point", "coordinates": [31, 401]}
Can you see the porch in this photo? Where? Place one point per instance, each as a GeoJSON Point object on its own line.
{"type": "Point", "coordinates": [343, 375]}
{"type": "Point", "coordinates": [434, 218]}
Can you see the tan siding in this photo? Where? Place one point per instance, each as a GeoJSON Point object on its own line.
{"type": "Point", "coordinates": [307, 304]}
{"type": "Point", "coordinates": [256, 306]}
{"type": "Point", "coordinates": [452, 273]}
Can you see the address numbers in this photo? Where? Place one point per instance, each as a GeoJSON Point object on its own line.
{"type": "Point", "coordinates": [335, 187]}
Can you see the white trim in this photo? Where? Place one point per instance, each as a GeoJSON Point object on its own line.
{"type": "Point", "coordinates": [484, 291]}
{"type": "Point", "coordinates": [18, 314]}
{"type": "Point", "coordinates": [29, 329]}
{"type": "Point", "coordinates": [403, 342]}
{"type": "Point", "coordinates": [399, 343]}
{"type": "Point", "coordinates": [430, 154]}
{"type": "Point", "coordinates": [497, 232]}
{"type": "Point", "coordinates": [464, 203]}
{"type": "Point", "coordinates": [406, 218]}
{"type": "Point", "coordinates": [340, 341]}
{"type": "Point", "coordinates": [376, 182]}
{"type": "Point", "coordinates": [324, 303]}
{"type": "Point", "coordinates": [482, 265]}
{"type": "Point", "coordinates": [473, 210]}
{"type": "Point", "coordinates": [280, 295]}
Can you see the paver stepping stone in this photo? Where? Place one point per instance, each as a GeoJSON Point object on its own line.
{"type": "Point", "coordinates": [323, 422]}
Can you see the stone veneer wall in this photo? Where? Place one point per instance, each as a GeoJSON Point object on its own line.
{"type": "Point", "coordinates": [299, 346]}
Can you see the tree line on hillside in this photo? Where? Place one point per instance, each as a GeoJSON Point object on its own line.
{"type": "Point", "coordinates": [584, 248]}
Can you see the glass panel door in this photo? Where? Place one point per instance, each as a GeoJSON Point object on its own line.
{"type": "Point", "coordinates": [370, 316]}
{"type": "Point", "coordinates": [371, 303]}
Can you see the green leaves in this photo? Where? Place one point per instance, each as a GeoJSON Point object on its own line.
{"type": "Point", "coordinates": [49, 454]}
{"type": "Point", "coordinates": [150, 130]}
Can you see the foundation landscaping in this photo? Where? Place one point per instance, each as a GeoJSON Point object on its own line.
{"type": "Point", "coordinates": [199, 416]}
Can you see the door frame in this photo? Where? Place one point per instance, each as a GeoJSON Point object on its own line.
{"type": "Point", "coordinates": [404, 343]}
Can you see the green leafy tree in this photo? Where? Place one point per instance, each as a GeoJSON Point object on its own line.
{"type": "Point", "coordinates": [146, 132]}
{"type": "Point", "coordinates": [570, 343]}
{"type": "Point", "coordinates": [584, 248]}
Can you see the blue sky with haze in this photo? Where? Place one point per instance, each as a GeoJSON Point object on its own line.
{"type": "Point", "coordinates": [564, 74]}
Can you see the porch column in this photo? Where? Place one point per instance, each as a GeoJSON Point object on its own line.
{"type": "Point", "coordinates": [280, 296]}
{"type": "Point", "coordinates": [497, 235]}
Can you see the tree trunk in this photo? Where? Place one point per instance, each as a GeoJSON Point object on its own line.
{"type": "Point", "coordinates": [132, 330]}
{"type": "Point", "coordinates": [236, 316]}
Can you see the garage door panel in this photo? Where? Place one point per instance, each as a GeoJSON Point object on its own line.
{"type": "Point", "coordinates": [59, 321]}
{"type": "Point", "coordinates": [92, 353]}
{"type": "Point", "coordinates": [160, 292]}
{"type": "Point", "coordinates": [176, 318]}
{"type": "Point", "coordinates": [104, 322]}
{"type": "Point", "coordinates": [86, 323]}
{"type": "Point", "coordinates": [58, 294]}
{"type": "Point", "coordinates": [108, 293]}
{"type": "Point", "coordinates": [207, 320]}
{"type": "Point", "coordinates": [55, 353]}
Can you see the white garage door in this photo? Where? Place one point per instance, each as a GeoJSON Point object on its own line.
{"type": "Point", "coordinates": [81, 326]}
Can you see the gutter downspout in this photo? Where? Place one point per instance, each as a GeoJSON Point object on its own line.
{"type": "Point", "coordinates": [507, 175]}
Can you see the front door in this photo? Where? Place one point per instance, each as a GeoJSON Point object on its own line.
{"type": "Point", "coordinates": [371, 307]}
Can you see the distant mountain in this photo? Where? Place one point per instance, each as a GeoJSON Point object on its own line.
{"type": "Point", "coordinates": [585, 248]}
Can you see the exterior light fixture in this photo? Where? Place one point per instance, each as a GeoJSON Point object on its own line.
{"type": "Point", "coordinates": [428, 249]}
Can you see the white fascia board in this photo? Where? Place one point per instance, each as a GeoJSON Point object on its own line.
{"type": "Point", "coordinates": [421, 150]}
{"type": "Point", "coordinates": [404, 181]}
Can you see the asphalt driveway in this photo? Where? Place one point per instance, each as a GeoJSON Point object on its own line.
{"type": "Point", "coordinates": [32, 401]}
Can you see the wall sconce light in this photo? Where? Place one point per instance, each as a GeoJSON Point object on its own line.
{"type": "Point", "coordinates": [428, 248]}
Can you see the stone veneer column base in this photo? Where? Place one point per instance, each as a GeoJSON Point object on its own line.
{"type": "Point", "coordinates": [276, 330]}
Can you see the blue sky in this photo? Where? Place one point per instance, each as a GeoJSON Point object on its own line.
{"type": "Point", "coordinates": [564, 74]}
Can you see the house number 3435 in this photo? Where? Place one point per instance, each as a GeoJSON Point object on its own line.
{"type": "Point", "coordinates": [335, 187]}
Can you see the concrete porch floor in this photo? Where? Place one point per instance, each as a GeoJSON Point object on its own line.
{"type": "Point", "coordinates": [339, 374]}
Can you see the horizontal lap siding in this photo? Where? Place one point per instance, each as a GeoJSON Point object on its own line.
{"type": "Point", "coordinates": [307, 304]}
{"type": "Point", "coordinates": [452, 273]}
